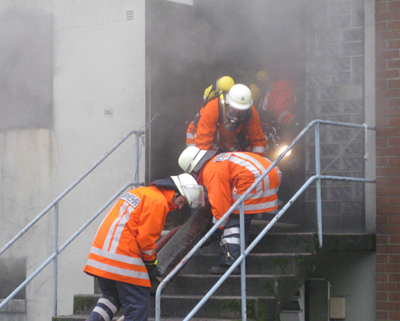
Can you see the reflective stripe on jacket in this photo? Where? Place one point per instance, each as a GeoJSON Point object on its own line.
{"type": "Point", "coordinates": [191, 134]}
{"type": "Point", "coordinates": [228, 175]}
{"type": "Point", "coordinates": [208, 133]}
{"type": "Point", "coordinates": [128, 235]}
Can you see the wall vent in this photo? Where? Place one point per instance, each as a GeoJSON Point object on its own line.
{"type": "Point", "coordinates": [130, 15]}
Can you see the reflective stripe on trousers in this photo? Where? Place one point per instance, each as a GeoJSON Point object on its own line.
{"type": "Point", "coordinates": [134, 299]}
{"type": "Point", "coordinates": [230, 240]}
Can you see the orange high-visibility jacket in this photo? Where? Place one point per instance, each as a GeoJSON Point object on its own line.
{"type": "Point", "coordinates": [128, 235]}
{"type": "Point", "coordinates": [280, 100]}
{"type": "Point", "coordinates": [228, 175]}
{"type": "Point", "coordinates": [191, 134]}
{"type": "Point", "coordinates": [208, 133]}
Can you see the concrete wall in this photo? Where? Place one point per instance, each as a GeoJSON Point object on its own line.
{"type": "Point", "coordinates": [97, 96]}
{"type": "Point", "coordinates": [349, 275]}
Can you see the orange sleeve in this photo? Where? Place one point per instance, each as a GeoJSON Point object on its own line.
{"type": "Point", "coordinates": [191, 134]}
{"type": "Point", "coordinates": [282, 99]}
{"type": "Point", "coordinates": [216, 179]}
{"type": "Point", "coordinates": [207, 125]}
{"type": "Point", "coordinates": [255, 134]}
{"type": "Point", "coordinates": [152, 219]}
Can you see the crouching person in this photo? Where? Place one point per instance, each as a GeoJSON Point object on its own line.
{"type": "Point", "coordinates": [123, 257]}
{"type": "Point", "coordinates": [226, 177]}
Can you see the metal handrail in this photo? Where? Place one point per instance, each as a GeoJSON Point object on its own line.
{"type": "Point", "coordinates": [240, 202]}
{"type": "Point", "coordinates": [55, 203]}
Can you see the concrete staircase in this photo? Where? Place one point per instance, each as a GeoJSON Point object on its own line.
{"type": "Point", "coordinates": [276, 269]}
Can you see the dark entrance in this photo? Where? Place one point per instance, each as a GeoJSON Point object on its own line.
{"type": "Point", "coordinates": [189, 47]}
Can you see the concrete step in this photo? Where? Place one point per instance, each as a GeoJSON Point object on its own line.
{"type": "Point", "coordinates": [277, 243]}
{"type": "Point", "coordinates": [84, 317]}
{"type": "Point", "coordinates": [184, 292]}
{"type": "Point", "coordinates": [174, 306]}
{"type": "Point", "coordinates": [228, 307]}
{"type": "Point", "coordinates": [71, 318]}
{"type": "Point", "coordinates": [76, 318]}
{"type": "Point", "coordinates": [286, 243]}
{"type": "Point", "coordinates": [256, 263]}
{"type": "Point", "coordinates": [84, 303]}
{"type": "Point", "coordinates": [262, 285]}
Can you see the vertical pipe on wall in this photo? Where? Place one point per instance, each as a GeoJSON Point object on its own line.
{"type": "Point", "coordinates": [318, 173]}
{"type": "Point", "coordinates": [369, 112]}
{"type": "Point", "coordinates": [55, 267]}
{"type": "Point", "coordinates": [243, 263]}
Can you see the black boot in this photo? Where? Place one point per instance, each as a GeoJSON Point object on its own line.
{"type": "Point", "coordinates": [225, 263]}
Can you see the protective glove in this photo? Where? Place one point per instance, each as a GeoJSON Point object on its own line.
{"type": "Point", "coordinates": [154, 275]}
{"type": "Point", "coordinates": [152, 269]}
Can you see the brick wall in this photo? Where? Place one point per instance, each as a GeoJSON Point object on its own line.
{"type": "Point", "coordinates": [387, 17]}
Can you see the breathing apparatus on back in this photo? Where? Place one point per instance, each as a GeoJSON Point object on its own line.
{"type": "Point", "coordinates": [219, 88]}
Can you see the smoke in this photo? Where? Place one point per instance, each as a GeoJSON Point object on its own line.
{"type": "Point", "coordinates": [189, 47]}
{"type": "Point", "coordinates": [226, 35]}
{"type": "Point", "coordinates": [26, 70]}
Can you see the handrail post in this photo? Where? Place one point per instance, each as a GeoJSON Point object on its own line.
{"type": "Point", "coordinates": [318, 174]}
{"type": "Point", "coordinates": [136, 179]}
{"type": "Point", "coordinates": [243, 263]}
{"type": "Point", "coordinates": [55, 267]}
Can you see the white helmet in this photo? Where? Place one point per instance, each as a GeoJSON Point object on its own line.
{"type": "Point", "coordinates": [193, 158]}
{"type": "Point", "coordinates": [239, 97]}
{"type": "Point", "coordinates": [190, 189]}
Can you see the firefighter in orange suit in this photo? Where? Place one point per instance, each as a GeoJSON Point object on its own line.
{"type": "Point", "coordinates": [123, 257]}
{"type": "Point", "coordinates": [230, 123]}
{"type": "Point", "coordinates": [274, 98]}
{"type": "Point", "coordinates": [221, 87]}
{"type": "Point", "coordinates": [226, 178]}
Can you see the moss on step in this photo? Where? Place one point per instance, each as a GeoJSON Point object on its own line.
{"type": "Point", "coordinates": [82, 304]}
{"type": "Point", "coordinates": [281, 262]}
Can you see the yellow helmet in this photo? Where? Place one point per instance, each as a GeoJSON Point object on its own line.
{"type": "Point", "coordinates": [255, 92]}
{"type": "Point", "coordinates": [263, 75]}
{"type": "Point", "coordinates": [225, 83]}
